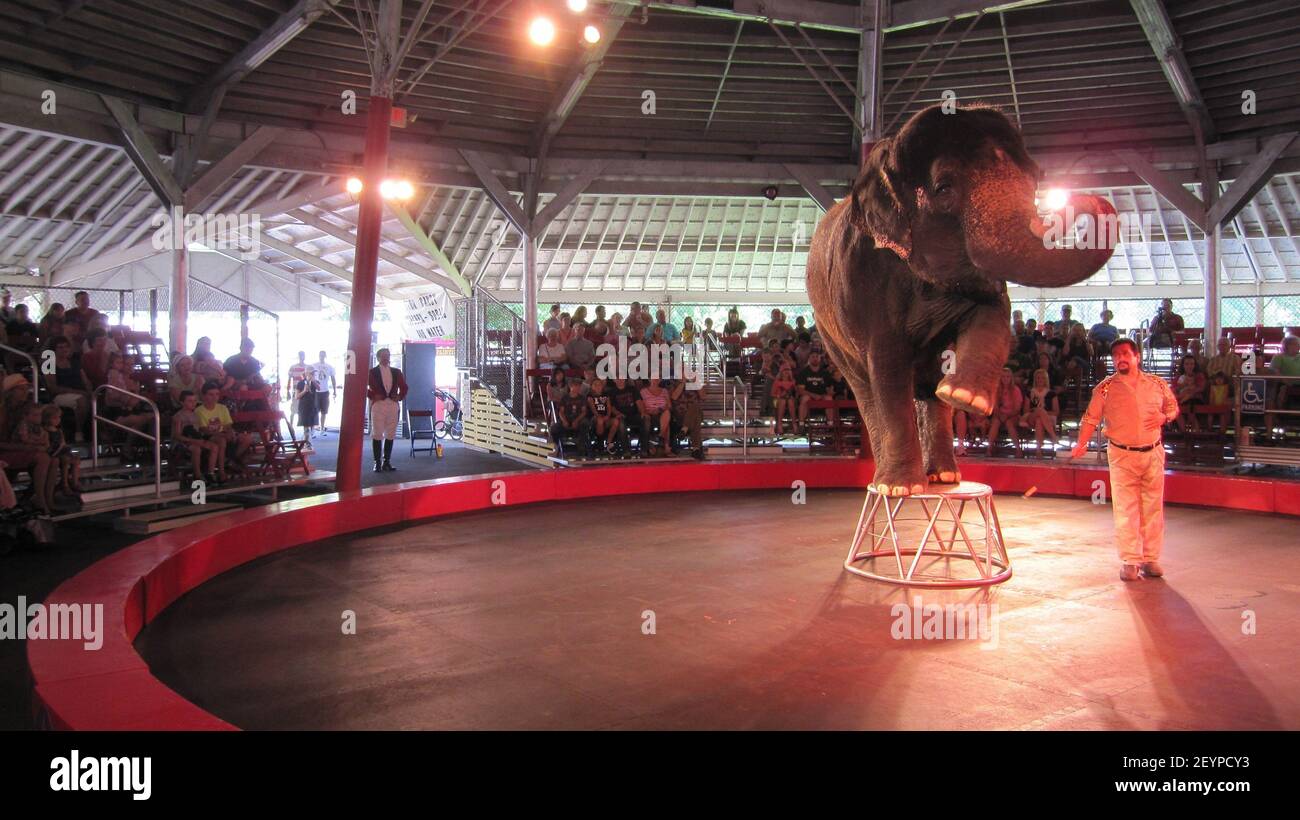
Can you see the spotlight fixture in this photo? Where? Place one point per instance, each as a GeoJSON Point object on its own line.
{"type": "Point", "coordinates": [577, 6]}
{"type": "Point", "coordinates": [771, 191]}
{"type": "Point", "coordinates": [541, 31]}
{"type": "Point", "coordinates": [399, 189]}
{"type": "Point", "coordinates": [1055, 199]}
{"type": "Point", "coordinates": [591, 34]}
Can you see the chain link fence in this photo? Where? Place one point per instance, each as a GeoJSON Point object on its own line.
{"type": "Point", "coordinates": [1234, 311]}
{"type": "Point", "coordinates": [210, 314]}
{"type": "Point", "coordinates": [753, 315]}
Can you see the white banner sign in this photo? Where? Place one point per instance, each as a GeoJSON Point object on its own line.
{"type": "Point", "coordinates": [424, 317]}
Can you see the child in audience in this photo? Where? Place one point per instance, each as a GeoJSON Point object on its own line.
{"type": "Point", "coordinates": [188, 432]}
{"type": "Point", "coordinates": [783, 390]}
{"type": "Point", "coordinates": [603, 414]}
{"type": "Point", "coordinates": [1189, 388]}
{"type": "Point", "coordinates": [69, 464]}
{"type": "Point", "coordinates": [30, 431]}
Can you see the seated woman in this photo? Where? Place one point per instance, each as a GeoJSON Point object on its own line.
{"type": "Point", "coordinates": [183, 377]}
{"type": "Point", "coordinates": [18, 456]}
{"type": "Point", "coordinates": [552, 354]}
{"type": "Point", "coordinates": [1006, 412]}
{"type": "Point", "coordinates": [1189, 389]}
{"type": "Point", "coordinates": [1040, 410]}
{"type": "Point", "coordinates": [207, 366]}
{"type": "Point", "coordinates": [655, 408]}
{"type": "Point", "coordinates": [124, 404]}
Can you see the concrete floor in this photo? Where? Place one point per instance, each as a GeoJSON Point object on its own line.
{"type": "Point", "coordinates": [456, 460]}
{"type": "Point", "coordinates": [532, 618]}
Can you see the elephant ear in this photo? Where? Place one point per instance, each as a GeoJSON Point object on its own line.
{"type": "Point", "coordinates": [877, 207]}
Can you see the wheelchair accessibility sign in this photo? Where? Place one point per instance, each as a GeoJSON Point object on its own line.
{"type": "Point", "coordinates": [1252, 395]}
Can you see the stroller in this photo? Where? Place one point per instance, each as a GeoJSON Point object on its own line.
{"type": "Point", "coordinates": [451, 423]}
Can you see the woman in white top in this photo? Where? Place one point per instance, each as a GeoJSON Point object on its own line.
{"type": "Point", "coordinates": [551, 354]}
{"type": "Point", "coordinates": [1041, 409]}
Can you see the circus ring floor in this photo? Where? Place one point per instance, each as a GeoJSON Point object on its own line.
{"type": "Point", "coordinates": [535, 615]}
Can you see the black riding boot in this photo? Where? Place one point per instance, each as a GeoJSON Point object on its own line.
{"type": "Point", "coordinates": [388, 456]}
{"type": "Point", "coordinates": [375, 445]}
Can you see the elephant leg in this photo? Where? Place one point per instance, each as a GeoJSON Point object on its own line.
{"type": "Point", "coordinates": [889, 413]}
{"type": "Point", "coordinates": [936, 439]}
{"type": "Point", "coordinates": [982, 349]}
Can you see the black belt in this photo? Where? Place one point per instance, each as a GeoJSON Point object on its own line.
{"type": "Point", "coordinates": [1135, 449]}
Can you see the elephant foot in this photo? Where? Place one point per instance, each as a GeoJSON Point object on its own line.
{"type": "Point", "coordinates": [972, 400]}
{"type": "Point", "coordinates": [942, 469]}
{"type": "Point", "coordinates": [895, 483]}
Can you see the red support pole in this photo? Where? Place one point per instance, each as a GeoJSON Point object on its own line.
{"type": "Point", "coordinates": [365, 264]}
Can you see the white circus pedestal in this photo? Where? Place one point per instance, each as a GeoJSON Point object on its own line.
{"type": "Point", "coordinates": [949, 537]}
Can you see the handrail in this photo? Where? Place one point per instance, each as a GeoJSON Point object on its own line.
{"type": "Point", "coordinates": [156, 438]}
{"type": "Point", "coordinates": [36, 374]}
{"type": "Point", "coordinates": [738, 385]}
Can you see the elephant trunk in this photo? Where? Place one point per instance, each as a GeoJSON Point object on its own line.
{"type": "Point", "coordinates": [1015, 244]}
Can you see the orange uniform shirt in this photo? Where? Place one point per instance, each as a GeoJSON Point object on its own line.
{"type": "Point", "coordinates": [1126, 409]}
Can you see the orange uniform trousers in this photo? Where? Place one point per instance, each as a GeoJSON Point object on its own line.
{"type": "Point", "coordinates": [1137, 489]}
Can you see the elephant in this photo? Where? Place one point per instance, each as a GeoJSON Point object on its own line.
{"type": "Point", "coordinates": [915, 261]}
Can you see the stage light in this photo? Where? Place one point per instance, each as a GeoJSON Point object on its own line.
{"type": "Point", "coordinates": [403, 190]}
{"type": "Point", "coordinates": [354, 186]}
{"type": "Point", "coordinates": [577, 6]}
{"type": "Point", "coordinates": [1055, 199]}
{"type": "Point", "coordinates": [771, 191]}
{"type": "Point", "coordinates": [591, 34]}
{"type": "Point", "coordinates": [541, 31]}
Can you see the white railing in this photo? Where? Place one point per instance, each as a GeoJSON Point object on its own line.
{"type": "Point", "coordinates": [741, 404]}
{"type": "Point", "coordinates": [36, 374]}
{"type": "Point", "coordinates": [156, 438]}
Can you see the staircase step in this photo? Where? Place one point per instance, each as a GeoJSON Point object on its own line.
{"type": "Point", "coordinates": [170, 518]}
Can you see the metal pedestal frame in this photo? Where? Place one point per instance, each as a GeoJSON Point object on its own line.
{"type": "Point", "coordinates": [993, 565]}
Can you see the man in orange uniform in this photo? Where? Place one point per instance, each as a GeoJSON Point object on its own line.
{"type": "Point", "coordinates": [1134, 406]}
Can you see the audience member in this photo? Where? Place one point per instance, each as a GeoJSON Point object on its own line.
{"type": "Point", "coordinates": [68, 384]}
{"type": "Point", "coordinates": [655, 408]}
{"type": "Point", "coordinates": [814, 382]}
{"type": "Point", "coordinates": [1189, 388]}
{"type": "Point", "coordinates": [82, 314]}
{"type": "Point", "coordinates": [34, 460]}
{"type": "Point", "coordinates": [573, 418]}
{"type": "Point", "coordinates": [188, 432]}
{"type": "Point", "coordinates": [1103, 333]}
{"type": "Point", "coordinates": [603, 414]}
{"type": "Point", "coordinates": [1041, 409]}
{"type": "Point", "coordinates": [579, 351]}
{"type": "Point", "coordinates": [1164, 325]}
